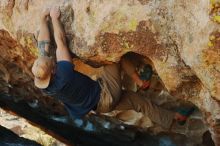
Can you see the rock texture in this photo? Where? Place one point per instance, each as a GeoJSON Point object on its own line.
{"type": "Point", "coordinates": [9, 138]}
{"type": "Point", "coordinates": [91, 130]}
{"type": "Point", "coordinates": [179, 37]}
{"type": "Point", "coordinates": [22, 128]}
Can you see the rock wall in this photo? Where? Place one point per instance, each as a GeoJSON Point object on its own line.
{"type": "Point", "coordinates": [180, 38]}
{"type": "Point", "coordinates": [10, 138]}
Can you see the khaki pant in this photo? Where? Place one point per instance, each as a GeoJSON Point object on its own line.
{"type": "Point", "coordinates": [113, 98]}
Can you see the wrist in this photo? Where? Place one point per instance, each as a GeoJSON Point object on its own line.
{"type": "Point", "coordinates": [55, 19]}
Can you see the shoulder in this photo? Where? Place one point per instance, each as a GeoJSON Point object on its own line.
{"type": "Point", "coordinates": [64, 67]}
{"type": "Point", "coordinates": [63, 74]}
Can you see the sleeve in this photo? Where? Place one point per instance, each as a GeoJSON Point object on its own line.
{"type": "Point", "coordinates": [64, 69]}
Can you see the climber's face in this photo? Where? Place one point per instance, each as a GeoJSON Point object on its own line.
{"type": "Point", "coordinates": [42, 70]}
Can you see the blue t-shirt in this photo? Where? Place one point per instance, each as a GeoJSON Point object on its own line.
{"type": "Point", "coordinates": [79, 93]}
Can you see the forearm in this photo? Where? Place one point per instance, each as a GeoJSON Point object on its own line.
{"type": "Point", "coordinates": [43, 47]}
{"type": "Point", "coordinates": [130, 70]}
{"type": "Point", "coordinates": [62, 52]}
{"type": "Point", "coordinates": [59, 34]}
{"type": "Point", "coordinates": [44, 37]}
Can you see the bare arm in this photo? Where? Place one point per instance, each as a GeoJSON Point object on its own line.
{"type": "Point", "coordinates": [44, 34]}
{"type": "Point", "coordinates": [130, 70]}
{"type": "Point", "coordinates": [62, 52]}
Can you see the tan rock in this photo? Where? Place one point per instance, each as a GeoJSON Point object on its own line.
{"type": "Point", "coordinates": [173, 34]}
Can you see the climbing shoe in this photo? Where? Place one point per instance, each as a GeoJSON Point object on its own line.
{"type": "Point", "coordinates": [184, 114]}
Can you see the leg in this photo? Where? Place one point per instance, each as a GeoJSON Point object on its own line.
{"type": "Point", "coordinates": [130, 69]}
{"type": "Point", "coordinates": [131, 100]}
{"type": "Point", "coordinates": [44, 35]}
{"type": "Point", "coordinates": [112, 77]}
{"type": "Point", "coordinates": [128, 66]}
{"type": "Point", "coordinates": [111, 88]}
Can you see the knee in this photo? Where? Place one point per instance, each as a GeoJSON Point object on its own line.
{"type": "Point", "coordinates": [134, 100]}
{"type": "Point", "coordinates": [131, 95]}
{"type": "Point", "coordinates": [114, 67]}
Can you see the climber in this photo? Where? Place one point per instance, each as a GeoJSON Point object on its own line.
{"type": "Point", "coordinates": [132, 62]}
{"type": "Point", "coordinates": [79, 93]}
